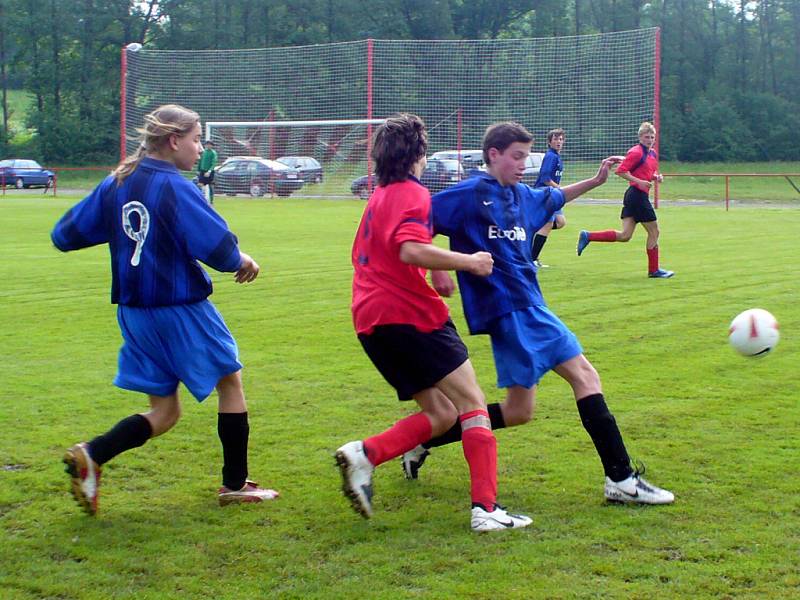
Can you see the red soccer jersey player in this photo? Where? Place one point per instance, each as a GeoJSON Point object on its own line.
{"type": "Point", "coordinates": [640, 169]}
{"type": "Point", "coordinates": [405, 329]}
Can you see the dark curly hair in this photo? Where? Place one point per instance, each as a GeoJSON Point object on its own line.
{"type": "Point", "coordinates": [398, 143]}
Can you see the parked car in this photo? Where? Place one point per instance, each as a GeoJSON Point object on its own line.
{"type": "Point", "coordinates": [441, 174]}
{"type": "Point", "coordinates": [532, 165]}
{"type": "Point", "coordinates": [438, 175]}
{"type": "Point", "coordinates": [470, 159]}
{"type": "Point", "coordinates": [24, 173]}
{"type": "Point", "coordinates": [255, 176]}
{"type": "Point", "coordinates": [308, 168]}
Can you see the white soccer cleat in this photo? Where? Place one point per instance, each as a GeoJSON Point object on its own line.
{"type": "Point", "coordinates": [636, 490]}
{"type": "Point", "coordinates": [250, 492]}
{"type": "Point", "coordinates": [412, 461]}
{"type": "Point", "coordinates": [356, 477]}
{"type": "Point", "coordinates": [499, 518]}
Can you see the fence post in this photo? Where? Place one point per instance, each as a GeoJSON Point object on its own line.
{"type": "Point", "coordinates": [727, 191]}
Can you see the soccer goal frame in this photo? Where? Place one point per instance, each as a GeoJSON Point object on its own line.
{"type": "Point", "coordinates": [598, 87]}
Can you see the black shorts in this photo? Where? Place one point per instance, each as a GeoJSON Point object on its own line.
{"type": "Point", "coordinates": [412, 361]}
{"type": "Point", "coordinates": [637, 205]}
{"type": "Point", "coordinates": [203, 180]}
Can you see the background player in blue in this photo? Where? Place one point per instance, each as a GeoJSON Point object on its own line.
{"type": "Point", "coordinates": [496, 213]}
{"type": "Point", "coordinates": [158, 225]}
{"type": "Point", "coordinates": [550, 173]}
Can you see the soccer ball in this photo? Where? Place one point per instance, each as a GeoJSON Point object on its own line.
{"type": "Point", "coordinates": [754, 332]}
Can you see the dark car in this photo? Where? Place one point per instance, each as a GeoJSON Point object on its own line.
{"type": "Point", "coordinates": [308, 168]}
{"type": "Point", "coordinates": [438, 175]}
{"type": "Point", "coordinates": [24, 173]}
{"type": "Point", "coordinates": [255, 176]}
{"type": "Point", "coordinates": [441, 174]}
{"type": "Point", "coordinates": [470, 159]}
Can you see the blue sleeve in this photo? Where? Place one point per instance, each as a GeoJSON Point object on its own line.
{"type": "Point", "coordinates": [84, 225]}
{"type": "Point", "coordinates": [448, 207]}
{"type": "Point", "coordinates": [206, 233]}
{"type": "Point", "coordinates": [547, 172]}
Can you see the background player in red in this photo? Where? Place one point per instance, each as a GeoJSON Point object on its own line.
{"type": "Point", "coordinates": [640, 169]}
{"type": "Point", "coordinates": [406, 330]}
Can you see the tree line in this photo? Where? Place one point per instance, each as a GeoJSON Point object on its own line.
{"type": "Point", "coordinates": [730, 70]}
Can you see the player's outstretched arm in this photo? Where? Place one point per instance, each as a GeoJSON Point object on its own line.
{"type": "Point", "coordinates": [429, 256]}
{"type": "Point", "coordinates": [248, 270]}
{"type": "Point", "coordinates": [575, 190]}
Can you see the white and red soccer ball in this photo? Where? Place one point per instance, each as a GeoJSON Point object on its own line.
{"type": "Point", "coordinates": [754, 332]}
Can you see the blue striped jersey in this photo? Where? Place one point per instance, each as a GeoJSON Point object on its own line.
{"type": "Point", "coordinates": [479, 214]}
{"type": "Point", "coordinates": [551, 169]}
{"type": "Point", "coordinates": [157, 226]}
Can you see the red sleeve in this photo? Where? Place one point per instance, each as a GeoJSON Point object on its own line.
{"type": "Point", "coordinates": [414, 222]}
{"type": "Point", "coordinates": [632, 158]}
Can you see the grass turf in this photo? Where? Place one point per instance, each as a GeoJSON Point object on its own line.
{"type": "Point", "coordinates": [717, 429]}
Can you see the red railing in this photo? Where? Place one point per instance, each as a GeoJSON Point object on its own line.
{"type": "Point", "coordinates": [727, 177]}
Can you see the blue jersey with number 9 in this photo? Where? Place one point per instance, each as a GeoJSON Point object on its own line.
{"type": "Point", "coordinates": [158, 226]}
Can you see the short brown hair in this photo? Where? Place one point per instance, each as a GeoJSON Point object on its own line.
{"type": "Point", "coordinates": [558, 132]}
{"type": "Point", "coordinates": [398, 143]}
{"type": "Point", "coordinates": [502, 135]}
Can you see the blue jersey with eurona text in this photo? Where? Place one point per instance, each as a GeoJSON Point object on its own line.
{"type": "Point", "coordinates": [479, 214]}
{"type": "Point", "coordinates": [157, 225]}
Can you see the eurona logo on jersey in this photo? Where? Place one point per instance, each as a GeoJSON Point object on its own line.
{"type": "Point", "coordinates": [516, 234]}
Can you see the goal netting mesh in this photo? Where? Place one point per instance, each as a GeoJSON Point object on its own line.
{"type": "Point", "coordinates": [599, 88]}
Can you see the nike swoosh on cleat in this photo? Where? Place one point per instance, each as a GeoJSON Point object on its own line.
{"type": "Point", "coordinates": [485, 203]}
{"type": "Point", "coordinates": [509, 524]}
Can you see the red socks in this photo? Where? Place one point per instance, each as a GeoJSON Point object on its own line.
{"type": "Point", "coordinates": [652, 259]}
{"type": "Point", "coordinates": [480, 450]}
{"type": "Point", "coordinates": [608, 235]}
{"type": "Point", "coordinates": [401, 437]}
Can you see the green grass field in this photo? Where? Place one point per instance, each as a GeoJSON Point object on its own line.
{"type": "Point", "coordinates": [719, 430]}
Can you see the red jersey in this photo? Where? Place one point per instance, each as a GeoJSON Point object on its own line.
{"type": "Point", "coordinates": [643, 169]}
{"type": "Point", "coordinates": [385, 289]}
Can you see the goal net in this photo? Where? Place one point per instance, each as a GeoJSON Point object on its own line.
{"type": "Point", "coordinates": [599, 88]}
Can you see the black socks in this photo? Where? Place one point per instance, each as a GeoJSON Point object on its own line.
{"type": "Point", "coordinates": [131, 432]}
{"type": "Point", "coordinates": [234, 432]}
{"type": "Point", "coordinates": [602, 428]}
{"type": "Point", "coordinates": [538, 244]}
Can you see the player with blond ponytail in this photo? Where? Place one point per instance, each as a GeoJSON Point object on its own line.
{"type": "Point", "coordinates": [158, 226]}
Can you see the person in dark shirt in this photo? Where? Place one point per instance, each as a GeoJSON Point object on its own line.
{"type": "Point", "coordinates": [497, 213]}
{"type": "Point", "coordinates": [550, 173]}
{"type": "Point", "coordinates": [158, 226]}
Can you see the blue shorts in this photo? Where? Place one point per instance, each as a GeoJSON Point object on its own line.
{"type": "Point", "coordinates": [165, 345]}
{"type": "Point", "coordinates": [528, 343]}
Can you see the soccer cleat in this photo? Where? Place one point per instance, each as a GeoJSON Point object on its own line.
{"type": "Point", "coordinates": [661, 274]}
{"type": "Point", "coordinates": [85, 475]}
{"type": "Point", "coordinates": [636, 490]}
{"type": "Point", "coordinates": [540, 265]}
{"type": "Point", "coordinates": [250, 492]}
{"type": "Point", "coordinates": [583, 241]}
{"type": "Point", "coordinates": [413, 460]}
{"type": "Point", "coordinates": [356, 477]}
{"type": "Point", "coordinates": [499, 518]}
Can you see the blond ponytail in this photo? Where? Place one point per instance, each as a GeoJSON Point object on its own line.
{"type": "Point", "coordinates": [166, 120]}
